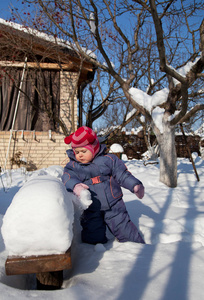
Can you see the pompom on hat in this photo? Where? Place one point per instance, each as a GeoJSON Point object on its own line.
{"type": "Point", "coordinates": [84, 137]}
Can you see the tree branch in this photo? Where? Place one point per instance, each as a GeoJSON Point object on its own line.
{"type": "Point", "coordinates": [192, 112]}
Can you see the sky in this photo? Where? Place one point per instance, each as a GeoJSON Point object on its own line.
{"type": "Point", "coordinates": [7, 5]}
{"type": "Point", "coordinates": [169, 266]}
{"type": "Point", "coordinates": [152, 101]}
{"type": "Point", "coordinates": [4, 7]}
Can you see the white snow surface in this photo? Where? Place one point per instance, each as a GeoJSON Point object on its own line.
{"type": "Point", "coordinates": [169, 266]}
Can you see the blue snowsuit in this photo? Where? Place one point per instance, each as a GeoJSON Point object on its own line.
{"type": "Point", "coordinates": [104, 175]}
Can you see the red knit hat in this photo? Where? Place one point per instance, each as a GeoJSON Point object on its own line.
{"type": "Point", "coordinates": [84, 137]}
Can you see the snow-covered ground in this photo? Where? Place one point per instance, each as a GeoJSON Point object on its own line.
{"type": "Point", "coordinates": [169, 266]}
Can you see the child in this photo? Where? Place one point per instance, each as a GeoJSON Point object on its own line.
{"type": "Point", "coordinates": [103, 174]}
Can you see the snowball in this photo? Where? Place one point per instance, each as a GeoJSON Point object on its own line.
{"type": "Point", "coordinates": [40, 218]}
{"type": "Point", "coordinates": [84, 201]}
{"type": "Point", "coordinates": [116, 148]}
{"type": "Point", "coordinates": [85, 198]}
{"type": "Point", "coordinates": [99, 248]}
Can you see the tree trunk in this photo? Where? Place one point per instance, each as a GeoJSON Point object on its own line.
{"type": "Point", "coordinates": [168, 156]}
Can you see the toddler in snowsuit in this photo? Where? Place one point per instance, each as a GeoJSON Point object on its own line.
{"type": "Point", "coordinates": [90, 167]}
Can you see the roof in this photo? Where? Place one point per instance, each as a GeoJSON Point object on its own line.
{"type": "Point", "coordinates": [18, 41]}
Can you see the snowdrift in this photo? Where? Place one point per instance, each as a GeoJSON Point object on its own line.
{"type": "Point", "coordinates": [39, 220]}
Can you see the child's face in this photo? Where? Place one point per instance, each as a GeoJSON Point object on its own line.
{"type": "Point", "coordinates": [83, 155]}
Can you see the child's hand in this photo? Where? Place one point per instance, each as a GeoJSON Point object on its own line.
{"type": "Point", "coordinates": [139, 191]}
{"type": "Point", "coordinates": [79, 187]}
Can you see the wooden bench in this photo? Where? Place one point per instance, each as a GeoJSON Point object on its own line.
{"type": "Point", "coordinates": [48, 268]}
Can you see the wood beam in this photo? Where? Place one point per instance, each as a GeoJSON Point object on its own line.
{"type": "Point", "coordinates": [54, 66]}
{"type": "Point", "coordinates": [32, 65]}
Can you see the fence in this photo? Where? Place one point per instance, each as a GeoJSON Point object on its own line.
{"type": "Point", "coordinates": [134, 145]}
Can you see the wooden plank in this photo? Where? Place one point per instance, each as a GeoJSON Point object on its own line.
{"type": "Point", "coordinates": [16, 265]}
{"type": "Point", "coordinates": [31, 65]}
{"type": "Point", "coordinates": [53, 66]}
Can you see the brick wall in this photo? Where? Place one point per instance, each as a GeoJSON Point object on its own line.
{"type": "Point", "coordinates": [38, 149]}
{"type": "Point", "coordinates": [68, 110]}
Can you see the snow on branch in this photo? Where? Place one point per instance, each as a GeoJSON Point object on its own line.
{"type": "Point", "coordinates": [147, 101]}
{"type": "Point", "coordinates": [92, 23]}
{"type": "Point", "coordinates": [183, 71]}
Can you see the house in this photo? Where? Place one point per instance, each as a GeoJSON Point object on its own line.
{"type": "Point", "coordinates": [41, 83]}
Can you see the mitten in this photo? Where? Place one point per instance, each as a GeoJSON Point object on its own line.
{"type": "Point", "coordinates": [139, 191]}
{"type": "Point", "coordinates": [79, 187]}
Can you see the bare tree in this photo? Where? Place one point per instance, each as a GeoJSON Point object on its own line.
{"type": "Point", "coordinates": [154, 46]}
{"type": "Point", "coordinates": [96, 99]}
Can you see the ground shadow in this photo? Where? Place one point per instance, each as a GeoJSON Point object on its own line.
{"type": "Point", "coordinates": [178, 281]}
